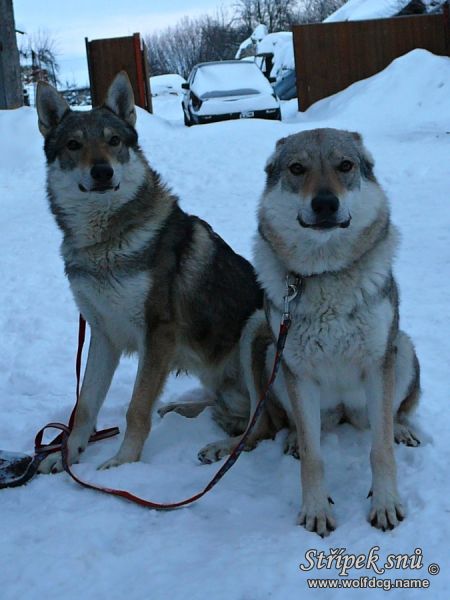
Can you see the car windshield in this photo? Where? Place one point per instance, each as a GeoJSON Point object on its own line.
{"type": "Point", "coordinates": [229, 79]}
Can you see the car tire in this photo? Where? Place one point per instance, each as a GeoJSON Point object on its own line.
{"type": "Point", "coordinates": [187, 121]}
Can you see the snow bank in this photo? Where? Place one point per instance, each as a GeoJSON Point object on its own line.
{"type": "Point", "coordinates": [411, 93]}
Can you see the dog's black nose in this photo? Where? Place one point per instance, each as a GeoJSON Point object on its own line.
{"type": "Point", "coordinates": [102, 172]}
{"type": "Point", "coordinates": [325, 204]}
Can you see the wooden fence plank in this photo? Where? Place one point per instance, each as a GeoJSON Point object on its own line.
{"type": "Point", "coordinates": [331, 56]}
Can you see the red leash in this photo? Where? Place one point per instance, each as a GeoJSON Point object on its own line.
{"type": "Point", "coordinates": [60, 442]}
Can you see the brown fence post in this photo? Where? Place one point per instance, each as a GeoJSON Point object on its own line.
{"type": "Point", "coordinates": [106, 57]}
{"type": "Point", "coordinates": [11, 93]}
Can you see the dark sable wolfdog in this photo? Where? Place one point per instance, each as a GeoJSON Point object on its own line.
{"type": "Point", "coordinates": [148, 277]}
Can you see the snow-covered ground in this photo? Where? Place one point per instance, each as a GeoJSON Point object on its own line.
{"type": "Point", "coordinates": [240, 542]}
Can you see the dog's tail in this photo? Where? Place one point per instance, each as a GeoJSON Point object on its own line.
{"type": "Point", "coordinates": [256, 339]}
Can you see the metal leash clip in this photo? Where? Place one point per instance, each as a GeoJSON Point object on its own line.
{"type": "Point", "coordinates": [292, 290]}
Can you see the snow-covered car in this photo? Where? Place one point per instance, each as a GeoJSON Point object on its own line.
{"type": "Point", "coordinates": [286, 87]}
{"type": "Point", "coordinates": [229, 89]}
{"type": "Point", "coordinates": [165, 85]}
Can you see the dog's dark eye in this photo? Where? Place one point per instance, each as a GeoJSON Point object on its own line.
{"type": "Point", "coordinates": [297, 169]}
{"type": "Point", "coordinates": [73, 145]}
{"type": "Point", "coordinates": [114, 141]}
{"type": "Point", "coordinates": [345, 166]}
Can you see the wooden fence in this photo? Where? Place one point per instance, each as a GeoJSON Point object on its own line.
{"type": "Point", "coordinates": [108, 56]}
{"type": "Point", "coordinates": [331, 56]}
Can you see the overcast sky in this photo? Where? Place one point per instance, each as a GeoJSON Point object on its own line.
{"type": "Point", "coordinates": [69, 22]}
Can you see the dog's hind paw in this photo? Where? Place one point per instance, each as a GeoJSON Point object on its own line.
{"type": "Point", "coordinates": [405, 434]}
{"type": "Point", "coordinates": [291, 445]}
{"type": "Point", "coordinates": [318, 518]}
{"type": "Point", "coordinates": [214, 452]}
{"type": "Point", "coordinates": [185, 409]}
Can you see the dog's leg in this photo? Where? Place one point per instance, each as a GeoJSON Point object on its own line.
{"type": "Point", "coordinates": [253, 344]}
{"type": "Point", "coordinates": [316, 513]}
{"type": "Point", "coordinates": [407, 390]}
{"type": "Point", "coordinates": [102, 361]}
{"type": "Point", "coordinates": [153, 369]}
{"type": "Point", "coordinates": [386, 508]}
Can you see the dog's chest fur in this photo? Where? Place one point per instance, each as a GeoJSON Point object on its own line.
{"type": "Point", "coordinates": [116, 307]}
{"type": "Point", "coordinates": [340, 322]}
{"type": "Point", "coordinates": [335, 321]}
{"type": "Point", "coordinates": [112, 300]}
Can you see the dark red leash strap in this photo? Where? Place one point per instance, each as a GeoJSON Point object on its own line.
{"type": "Point", "coordinates": [56, 443]}
{"type": "Point", "coordinates": [284, 328]}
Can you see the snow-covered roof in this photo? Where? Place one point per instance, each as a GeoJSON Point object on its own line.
{"type": "Point", "coordinates": [281, 45]}
{"type": "Point", "coordinates": [259, 33]}
{"type": "Point", "coordinates": [357, 10]}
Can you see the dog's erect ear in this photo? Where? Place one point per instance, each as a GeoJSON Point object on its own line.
{"type": "Point", "coordinates": [51, 107]}
{"type": "Point", "coordinates": [120, 98]}
{"type": "Point", "coordinates": [366, 161]}
{"type": "Point", "coordinates": [272, 167]}
{"type": "Point", "coordinates": [272, 161]}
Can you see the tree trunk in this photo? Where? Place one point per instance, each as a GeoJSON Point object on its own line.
{"type": "Point", "coordinates": [11, 93]}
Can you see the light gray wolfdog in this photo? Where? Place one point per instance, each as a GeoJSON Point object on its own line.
{"type": "Point", "coordinates": [149, 278]}
{"type": "Point", "coordinates": [324, 222]}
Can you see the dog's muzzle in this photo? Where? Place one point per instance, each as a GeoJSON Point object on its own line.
{"type": "Point", "coordinates": [325, 207]}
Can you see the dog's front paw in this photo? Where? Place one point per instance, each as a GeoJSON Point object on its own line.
{"type": "Point", "coordinates": [53, 462]}
{"type": "Point", "coordinates": [386, 511]}
{"type": "Point", "coordinates": [318, 517]}
{"type": "Point", "coordinates": [116, 461]}
{"type": "Point", "coordinates": [291, 445]}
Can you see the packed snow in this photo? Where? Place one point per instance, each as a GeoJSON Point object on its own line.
{"type": "Point", "coordinates": [162, 85]}
{"type": "Point", "coordinates": [240, 542]}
